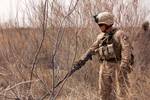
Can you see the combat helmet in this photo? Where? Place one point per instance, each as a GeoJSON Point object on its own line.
{"type": "Point", "coordinates": [104, 18]}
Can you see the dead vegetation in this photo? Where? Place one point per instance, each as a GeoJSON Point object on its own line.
{"type": "Point", "coordinates": [58, 36]}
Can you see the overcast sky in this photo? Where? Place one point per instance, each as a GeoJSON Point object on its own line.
{"type": "Point", "coordinates": [8, 8]}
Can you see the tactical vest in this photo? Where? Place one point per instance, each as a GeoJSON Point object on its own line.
{"type": "Point", "coordinates": [109, 49]}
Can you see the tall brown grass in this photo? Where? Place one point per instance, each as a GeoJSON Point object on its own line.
{"type": "Point", "coordinates": [69, 32]}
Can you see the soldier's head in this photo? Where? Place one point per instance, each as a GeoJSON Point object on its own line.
{"type": "Point", "coordinates": [145, 25]}
{"type": "Point", "coordinates": [105, 20]}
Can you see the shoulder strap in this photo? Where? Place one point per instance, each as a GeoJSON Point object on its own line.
{"type": "Point", "coordinates": [108, 36]}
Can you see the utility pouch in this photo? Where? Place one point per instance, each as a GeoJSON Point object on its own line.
{"type": "Point", "coordinates": [107, 52]}
{"type": "Point", "coordinates": [111, 52]}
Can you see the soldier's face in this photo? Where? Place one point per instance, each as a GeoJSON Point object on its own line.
{"type": "Point", "coordinates": [102, 27]}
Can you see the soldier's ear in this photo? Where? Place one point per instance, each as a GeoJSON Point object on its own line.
{"type": "Point", "coordinates": [95, 18]}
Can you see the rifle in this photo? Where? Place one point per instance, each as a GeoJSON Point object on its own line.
{"type": "Point", "coordinates": [80, 63]}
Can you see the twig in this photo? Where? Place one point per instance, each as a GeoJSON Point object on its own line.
{"type": "Point", "coordinates": [63, 83]}
{"type": "Point", "coordinates": [8, 97]}
{"type": "Point", "coordinates": [44, 25]}
{"type": "Point", "coordinates": [59, 41]}
{"type": "Point", "coordinates": [21, 83]}
{"type": "Point", "coordinates": [67, 76]}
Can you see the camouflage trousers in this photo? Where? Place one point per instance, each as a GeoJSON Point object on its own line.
{"type": "Point", "coordinates": [113, 83]}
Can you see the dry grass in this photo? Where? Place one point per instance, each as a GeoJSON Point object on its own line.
{"type": "Point", "coordinates": [17, 51]}
{"type": "Point", "coordinates": [18, 47]}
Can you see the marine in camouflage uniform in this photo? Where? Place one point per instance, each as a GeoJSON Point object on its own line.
{"type": "Point", "coordinates": [114, 51]}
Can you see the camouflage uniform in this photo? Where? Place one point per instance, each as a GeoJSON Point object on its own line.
{"type": "Point", "coordinates": [113, 79]}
